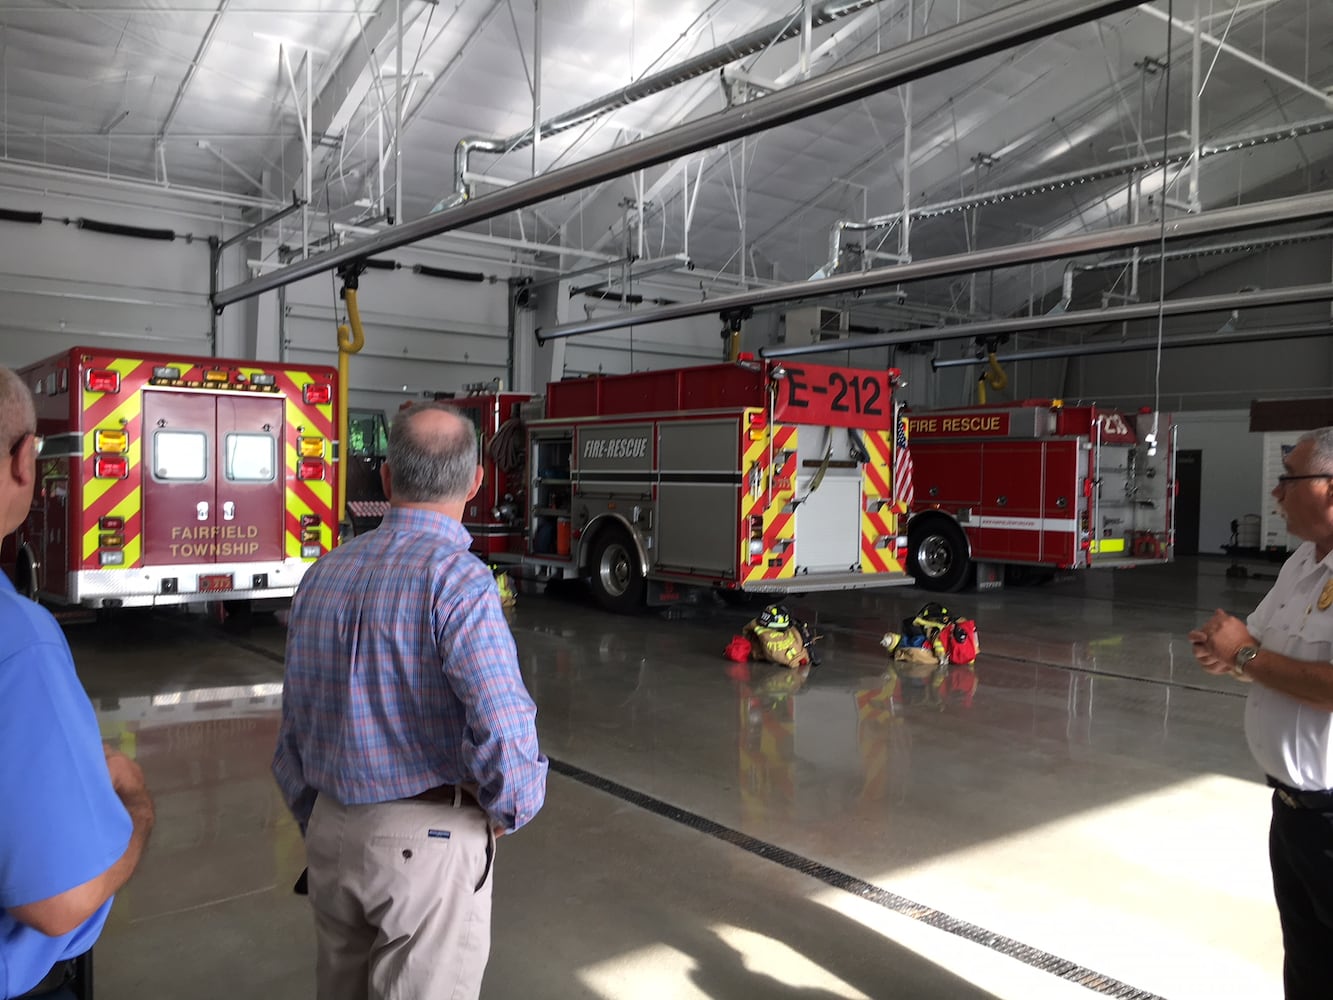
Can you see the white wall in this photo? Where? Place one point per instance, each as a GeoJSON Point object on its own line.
{"type": "Point", "coordinates": [423, 334]}
{"type": "Point", "coordinates": [61, 286]}
{"type": "Point", "coordinates": [1232, 474]}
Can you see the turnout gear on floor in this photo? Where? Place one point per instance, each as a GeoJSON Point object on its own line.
{"type": "Point", "coordinates": [939, 648]}
{"type": "Point", "coordinates": [778, 636]}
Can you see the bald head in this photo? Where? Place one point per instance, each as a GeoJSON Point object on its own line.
{"type": "Point", "coordinates": [432, 454]}
{"type": "Point", "coordinates": [17, 414]}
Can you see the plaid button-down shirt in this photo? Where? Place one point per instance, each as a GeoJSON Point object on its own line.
{"type": "Point", "coordinates": [402, 676]}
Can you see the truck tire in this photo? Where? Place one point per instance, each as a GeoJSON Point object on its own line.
{"type": "Point", "coordinates": [617, 577]}
{"type": "Point", "coordinates": [937, 556]}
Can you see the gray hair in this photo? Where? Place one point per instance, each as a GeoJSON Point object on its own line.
{"type": "Point", "coordinates": [431, 468]}
{"type": "Point", "coordinates": [1321, 452]}
{"type": "Point", "coordinates": [18, 416]}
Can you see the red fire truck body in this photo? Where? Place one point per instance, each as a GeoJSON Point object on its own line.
{"type": "Point", "coordinates": [492, 515]}
{"type": "Point", "coordinates": [1038, 484]}
{"type": "Point", "coordinates": [164, 480]}
{"type": "Point", "coordinates": [749, 476]}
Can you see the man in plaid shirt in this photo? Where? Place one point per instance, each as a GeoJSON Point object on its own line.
{"type": "Point", "coordinates": [408, 740]}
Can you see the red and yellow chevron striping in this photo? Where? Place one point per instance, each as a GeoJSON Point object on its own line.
{"type": "Point", "coordinates": [767, 493]}
{"type": "Point", "coordinates": [879, 522]}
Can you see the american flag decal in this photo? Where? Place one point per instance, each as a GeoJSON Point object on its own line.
{"type": "Point", "coordinates": [904, 491]}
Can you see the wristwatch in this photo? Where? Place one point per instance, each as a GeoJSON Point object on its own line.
{"type": "Point", "coordinates": [1243, 657]}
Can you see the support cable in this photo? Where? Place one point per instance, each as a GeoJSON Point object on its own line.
{"type": "Point", "coordinates": [1161, 240]}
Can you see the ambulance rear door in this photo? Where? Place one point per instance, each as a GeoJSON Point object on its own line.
{"type": "Point", "coordinates": [213, 489]}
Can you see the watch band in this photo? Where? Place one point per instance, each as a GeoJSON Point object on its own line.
{"type": "Point", "coordinates": [1243, 657]}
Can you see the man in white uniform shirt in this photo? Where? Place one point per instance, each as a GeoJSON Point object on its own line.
{"type": "Point", "coordinates": [1285, 649]}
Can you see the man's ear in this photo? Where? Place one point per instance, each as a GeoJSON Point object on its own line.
{"type": "Point", "coordinates": [476, 482]}
{"type": "Point", "coordinates": [386, 481]}
{"type": "Point", "coordinates": [23, 471]}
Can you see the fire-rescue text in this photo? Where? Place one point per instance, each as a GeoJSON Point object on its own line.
{"type": "Point", "coordinates": [625, 447]}
{"type": "Point", "coordinates": [988, 424]}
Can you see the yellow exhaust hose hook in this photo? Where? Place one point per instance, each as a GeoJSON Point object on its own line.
{"type": "Point", "coordinates": [351, 338]}
{"type": "Point", "coordinates": [993, 375]}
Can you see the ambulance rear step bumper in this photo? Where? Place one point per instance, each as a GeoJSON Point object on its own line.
{"type": "Point", "coordinates": [811, 583]}
{"type": "Point", "coordinates": [143, 587]}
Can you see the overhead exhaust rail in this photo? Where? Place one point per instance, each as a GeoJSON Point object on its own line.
{"type": "Point", "coordinates": [696, 66]}
{"type": "Point", "coordinates": [1295, 295]}
{"type": "Point", "coordinates": [1073, 178]}
{"type": "Point", "coordinates": [1212, 250]}
{"type": "Point", "coordinates": [1222, 220]}
{"type": "Point", "coordinates": [1296, 331]}
{"type": "Point", "coordinates": [942, 50]}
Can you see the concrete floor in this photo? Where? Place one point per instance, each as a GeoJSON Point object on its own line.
{"type": "Point", "coordinates": [1090, 824]}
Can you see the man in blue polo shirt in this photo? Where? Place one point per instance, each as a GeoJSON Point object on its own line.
{"type": "Point", "coordinates": [74, 814]}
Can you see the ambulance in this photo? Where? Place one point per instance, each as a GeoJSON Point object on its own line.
{"type": "Point", "coordinates": [165, 479]}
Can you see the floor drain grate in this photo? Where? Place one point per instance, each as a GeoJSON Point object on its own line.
{"type": "Point", "coordinates": [1028, 955]}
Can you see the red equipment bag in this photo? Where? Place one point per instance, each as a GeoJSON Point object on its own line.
{"type": "Point", "coordinates": [960, 641]}
{"type": "Point", "coordinates": [738, 649]}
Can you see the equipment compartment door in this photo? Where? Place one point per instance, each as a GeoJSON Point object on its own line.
{"type": "Point", "coordinates": [179, 477]}
{"type": "Point", "coordinates": [251, 493]}
{"type": "Point", "coordinates": [1012, 492]}
{"type": "Point", "coordinates": [828, 494]}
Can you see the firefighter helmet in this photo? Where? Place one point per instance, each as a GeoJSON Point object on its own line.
{"type": "Point", "coordinates": [774, 616]}
{"type": "Point", "coordinates": [932, 616]}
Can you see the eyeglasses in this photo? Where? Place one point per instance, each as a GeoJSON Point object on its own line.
{"type": "Point", "coordinates": [37, 440]}
{"type": "Point", "coordinates": [1310, 475]}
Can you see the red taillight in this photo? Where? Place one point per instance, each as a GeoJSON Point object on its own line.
{"type": "Point", "coordinates": [101, 380]}
{"type": "Point", "coordinates": [318, 393]}
{"type": "Point", "coordinates": [310, 468]}
{"type": "Point", "coordinates": [111, 467]}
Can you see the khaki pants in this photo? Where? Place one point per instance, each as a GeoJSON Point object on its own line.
{"type": "Point", "coordinates": [402, 899]}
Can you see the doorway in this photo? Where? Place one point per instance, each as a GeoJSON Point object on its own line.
{"type": "Point", "coordinates": [1189, 497]}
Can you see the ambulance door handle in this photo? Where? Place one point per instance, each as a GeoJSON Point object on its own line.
{"type": "Point", "coordinates": [228, 511]}
{"type": "Point", "coordinates": [1001, 501]}
{"type": "Point", "coordinates": [201, 510]}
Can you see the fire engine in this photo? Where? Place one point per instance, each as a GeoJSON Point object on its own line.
{"type": "Point", "coordinates": [750, 476]}
{"type": "Point", "coordinates": [1036, 486]}
{"type": "Point", "coordinates": [165, 480]}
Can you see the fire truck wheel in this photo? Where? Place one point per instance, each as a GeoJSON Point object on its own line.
{"type": "Point", "coordinates": [617, 578]}
{"type": "Point", "coordinates": [937, 556]}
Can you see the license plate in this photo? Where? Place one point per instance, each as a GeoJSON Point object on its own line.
{"type": "Point", "coordinates": [212, 583]}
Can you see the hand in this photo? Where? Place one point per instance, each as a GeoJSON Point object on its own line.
{"type": "Point", "coordinates": [1216, 642]}
{"type": "Point", "coordinates": [126, 775]}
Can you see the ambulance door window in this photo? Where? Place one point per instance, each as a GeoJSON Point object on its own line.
{"type": "Point", "coordinates": [180, 456]}
{"type": "Point", "coordinates": [251, 458]}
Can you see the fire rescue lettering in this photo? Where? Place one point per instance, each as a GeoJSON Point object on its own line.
{"type": "Point", "coordinates": [994, 423]}
{"type": "Point", "coordinates": [626, 447]}
{"type": "Point", "coordinates": [232, 540]}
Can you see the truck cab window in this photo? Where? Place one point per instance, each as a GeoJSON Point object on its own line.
{"type": "Point", "coordinates": [180, 456]}
{"type": "Point", "coordinates": [251, 458]}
